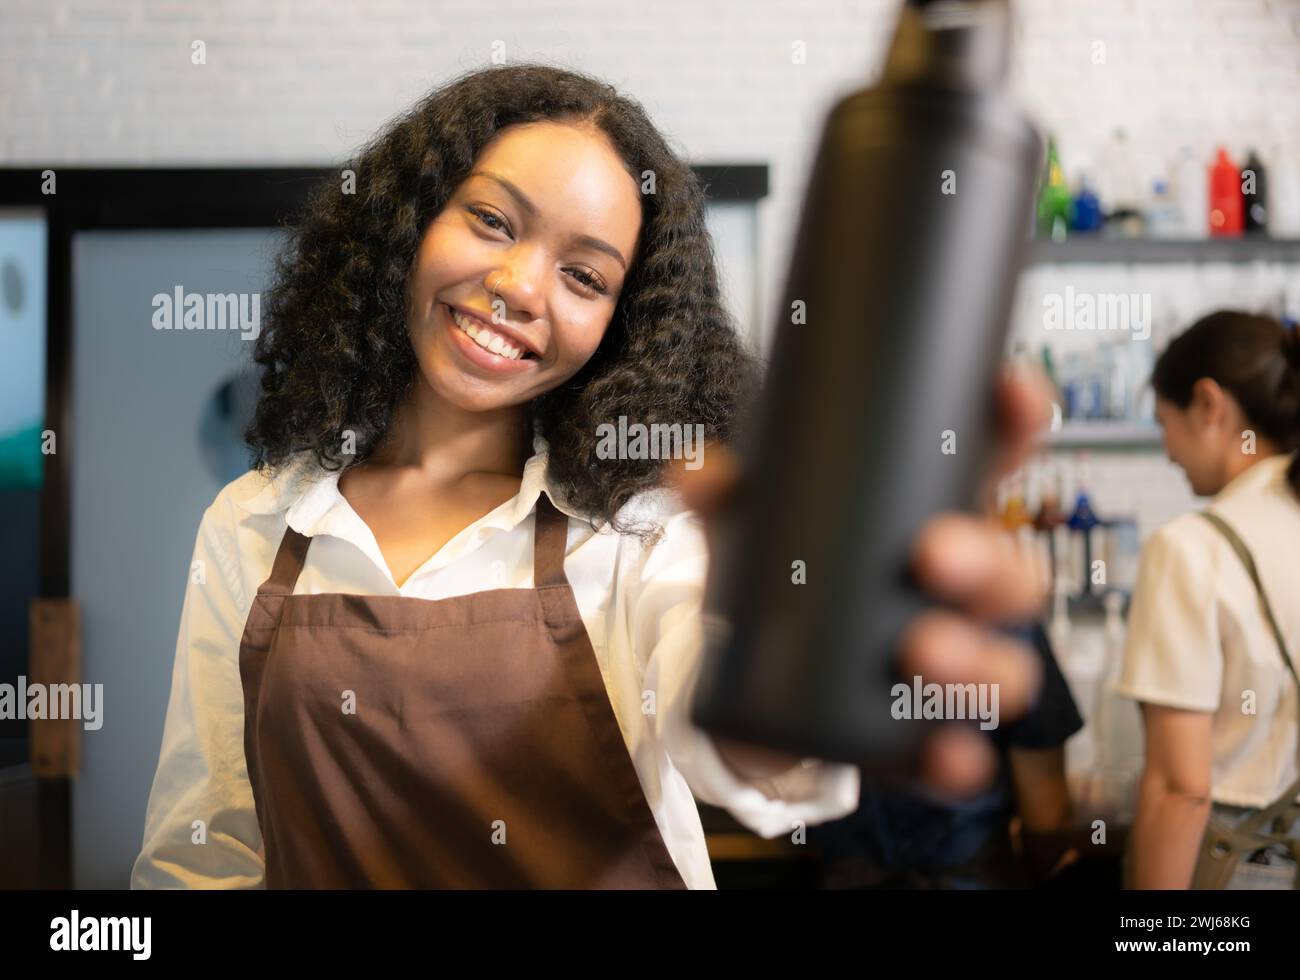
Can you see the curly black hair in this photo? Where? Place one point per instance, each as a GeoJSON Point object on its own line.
{"type": "Point", "coordinates": [334, 347]}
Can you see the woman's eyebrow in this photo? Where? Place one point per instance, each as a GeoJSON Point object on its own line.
{"type": "Point", "coordinates": [589, 240]}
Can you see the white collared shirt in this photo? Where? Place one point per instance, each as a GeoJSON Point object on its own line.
{"type": "Point", "coordinates": [1198, 638]}
{"type": "Point", "coordinates": [640, 604]}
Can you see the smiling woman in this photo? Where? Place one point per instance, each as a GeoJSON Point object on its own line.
{"type": "Point", "coordinates": [546, 206]}
{"type": "Point", "coordinates": [416, 661]}
{"type": "Point", "coordinates": [554, 277]}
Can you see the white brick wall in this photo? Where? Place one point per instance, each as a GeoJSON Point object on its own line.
{"type": "Point", "coordinates": [291, 81]}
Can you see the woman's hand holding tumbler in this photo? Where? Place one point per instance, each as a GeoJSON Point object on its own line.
{"type": "Point", "coordinates": [962, 559]}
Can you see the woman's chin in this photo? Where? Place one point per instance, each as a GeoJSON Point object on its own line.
{"type": "Point", "coordinates": [470, 393]}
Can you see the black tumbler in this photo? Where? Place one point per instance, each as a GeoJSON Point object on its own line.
{"type": "Point", "coordinates": [878, 409]}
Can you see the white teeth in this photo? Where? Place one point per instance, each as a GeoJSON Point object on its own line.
{"type": "Point", "coordinates": [485, 337]}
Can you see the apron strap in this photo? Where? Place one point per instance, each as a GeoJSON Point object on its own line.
{"type": "Point", "coordinates": [550, 539]}
{"type": "Point", "coordinates": [289, 559]}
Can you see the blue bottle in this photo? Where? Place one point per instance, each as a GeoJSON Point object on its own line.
{"type": "Point", "coordinates": [1081, 523]}
{"type": "Point", "coordinates": [1085, 209]}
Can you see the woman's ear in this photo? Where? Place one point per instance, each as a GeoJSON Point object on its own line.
{"type": "Point", "coordinates": [1211, 406]}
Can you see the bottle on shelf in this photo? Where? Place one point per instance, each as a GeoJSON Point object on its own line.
{"type": "Point", "coordinates": [1122, 550]}
{"type": "Point", "coordinates": [1085, 208]}
{"type": "Point", "coordinates": [1121, 192]}
{"type": "Point", "coordinates": [1071, 386]}
{"type": "Point", "coordinates": [1053, 198]}
{"type": "Point", "coordinates": [1014, 515]}
{"type": "Point", "coordinates": [1094, 402]}
{"type": "Point", "coordinates": [1225, 197]}
{"type": "Point", "coordinates": [1141, 362]}
{"type": "Point", "coordinates": [1164, 217]}
{"type": "Point", "coordinates": [1058, 399]}
{"type": "Point", "coordinates": [1254, 193]}
{"type": "Point", "coordinates": [1191, 189]}
{"type": "Point", "coordinates": [1284, 192]}
{"type": "Point", "coordinates": [1049, 520]}
{"type": "Point", "coordinates": [1115, 356]}
{"type": "Point", "coordinates": [1083, 522]}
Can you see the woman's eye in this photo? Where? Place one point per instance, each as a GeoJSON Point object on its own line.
{"type": "Point", "coordinates": [483, 217]}
{"type": "Point", "coordinates": [590, 282]}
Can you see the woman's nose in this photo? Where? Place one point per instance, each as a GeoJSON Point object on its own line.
{"type": "Point", "coordinates": [520, 284]}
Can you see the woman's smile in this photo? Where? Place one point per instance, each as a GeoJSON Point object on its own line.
{"type": "Point", "coordinates": [484, 347]}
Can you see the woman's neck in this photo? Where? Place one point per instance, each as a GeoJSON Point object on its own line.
{"type": "Point", "coordinates": [446, 442]}
{"type": "Point", "coordinates": [1236, 463]}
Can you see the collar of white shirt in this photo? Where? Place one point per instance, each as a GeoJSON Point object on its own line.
{"type": "Point", "coordinates": [1255, 477]}
{"type": "Point", "coordinates": [310, 494]}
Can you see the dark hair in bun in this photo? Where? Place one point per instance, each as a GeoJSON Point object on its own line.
{"type": "Point", "coordinates": [1255, 357]}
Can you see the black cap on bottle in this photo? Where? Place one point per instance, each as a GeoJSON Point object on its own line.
{"type": "Point", "coordinates": [955, 44]}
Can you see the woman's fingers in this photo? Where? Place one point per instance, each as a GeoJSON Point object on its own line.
{"type": "Point", "coordinates": [707, 490]}
{"type": "Point", "coordinates": [1024, 401]}
{"type": "Point", "coordinates": [974, 563]}
{"type": "Point", "coordinates": [957, 761]}
{"type": "Point", "coordinates": [941, 647]}
{"type": "Point", "coordinates": [944, 648]}
{"type": "Point", "coordinates": [966, 560]}
{"type": "Point", "coordinates": [977, 566]}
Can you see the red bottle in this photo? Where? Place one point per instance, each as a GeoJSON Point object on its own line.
{"type": "Point", "coordinates": [1226, 215]}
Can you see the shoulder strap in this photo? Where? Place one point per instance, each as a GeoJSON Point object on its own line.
{"type": "Point", "coordinates": [1239, 546]}
{"type": "Point", "coordinates": [1248, 560]}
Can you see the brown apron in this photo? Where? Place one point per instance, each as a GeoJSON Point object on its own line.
{"type": "Point", "coordinates": [468, 742]}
